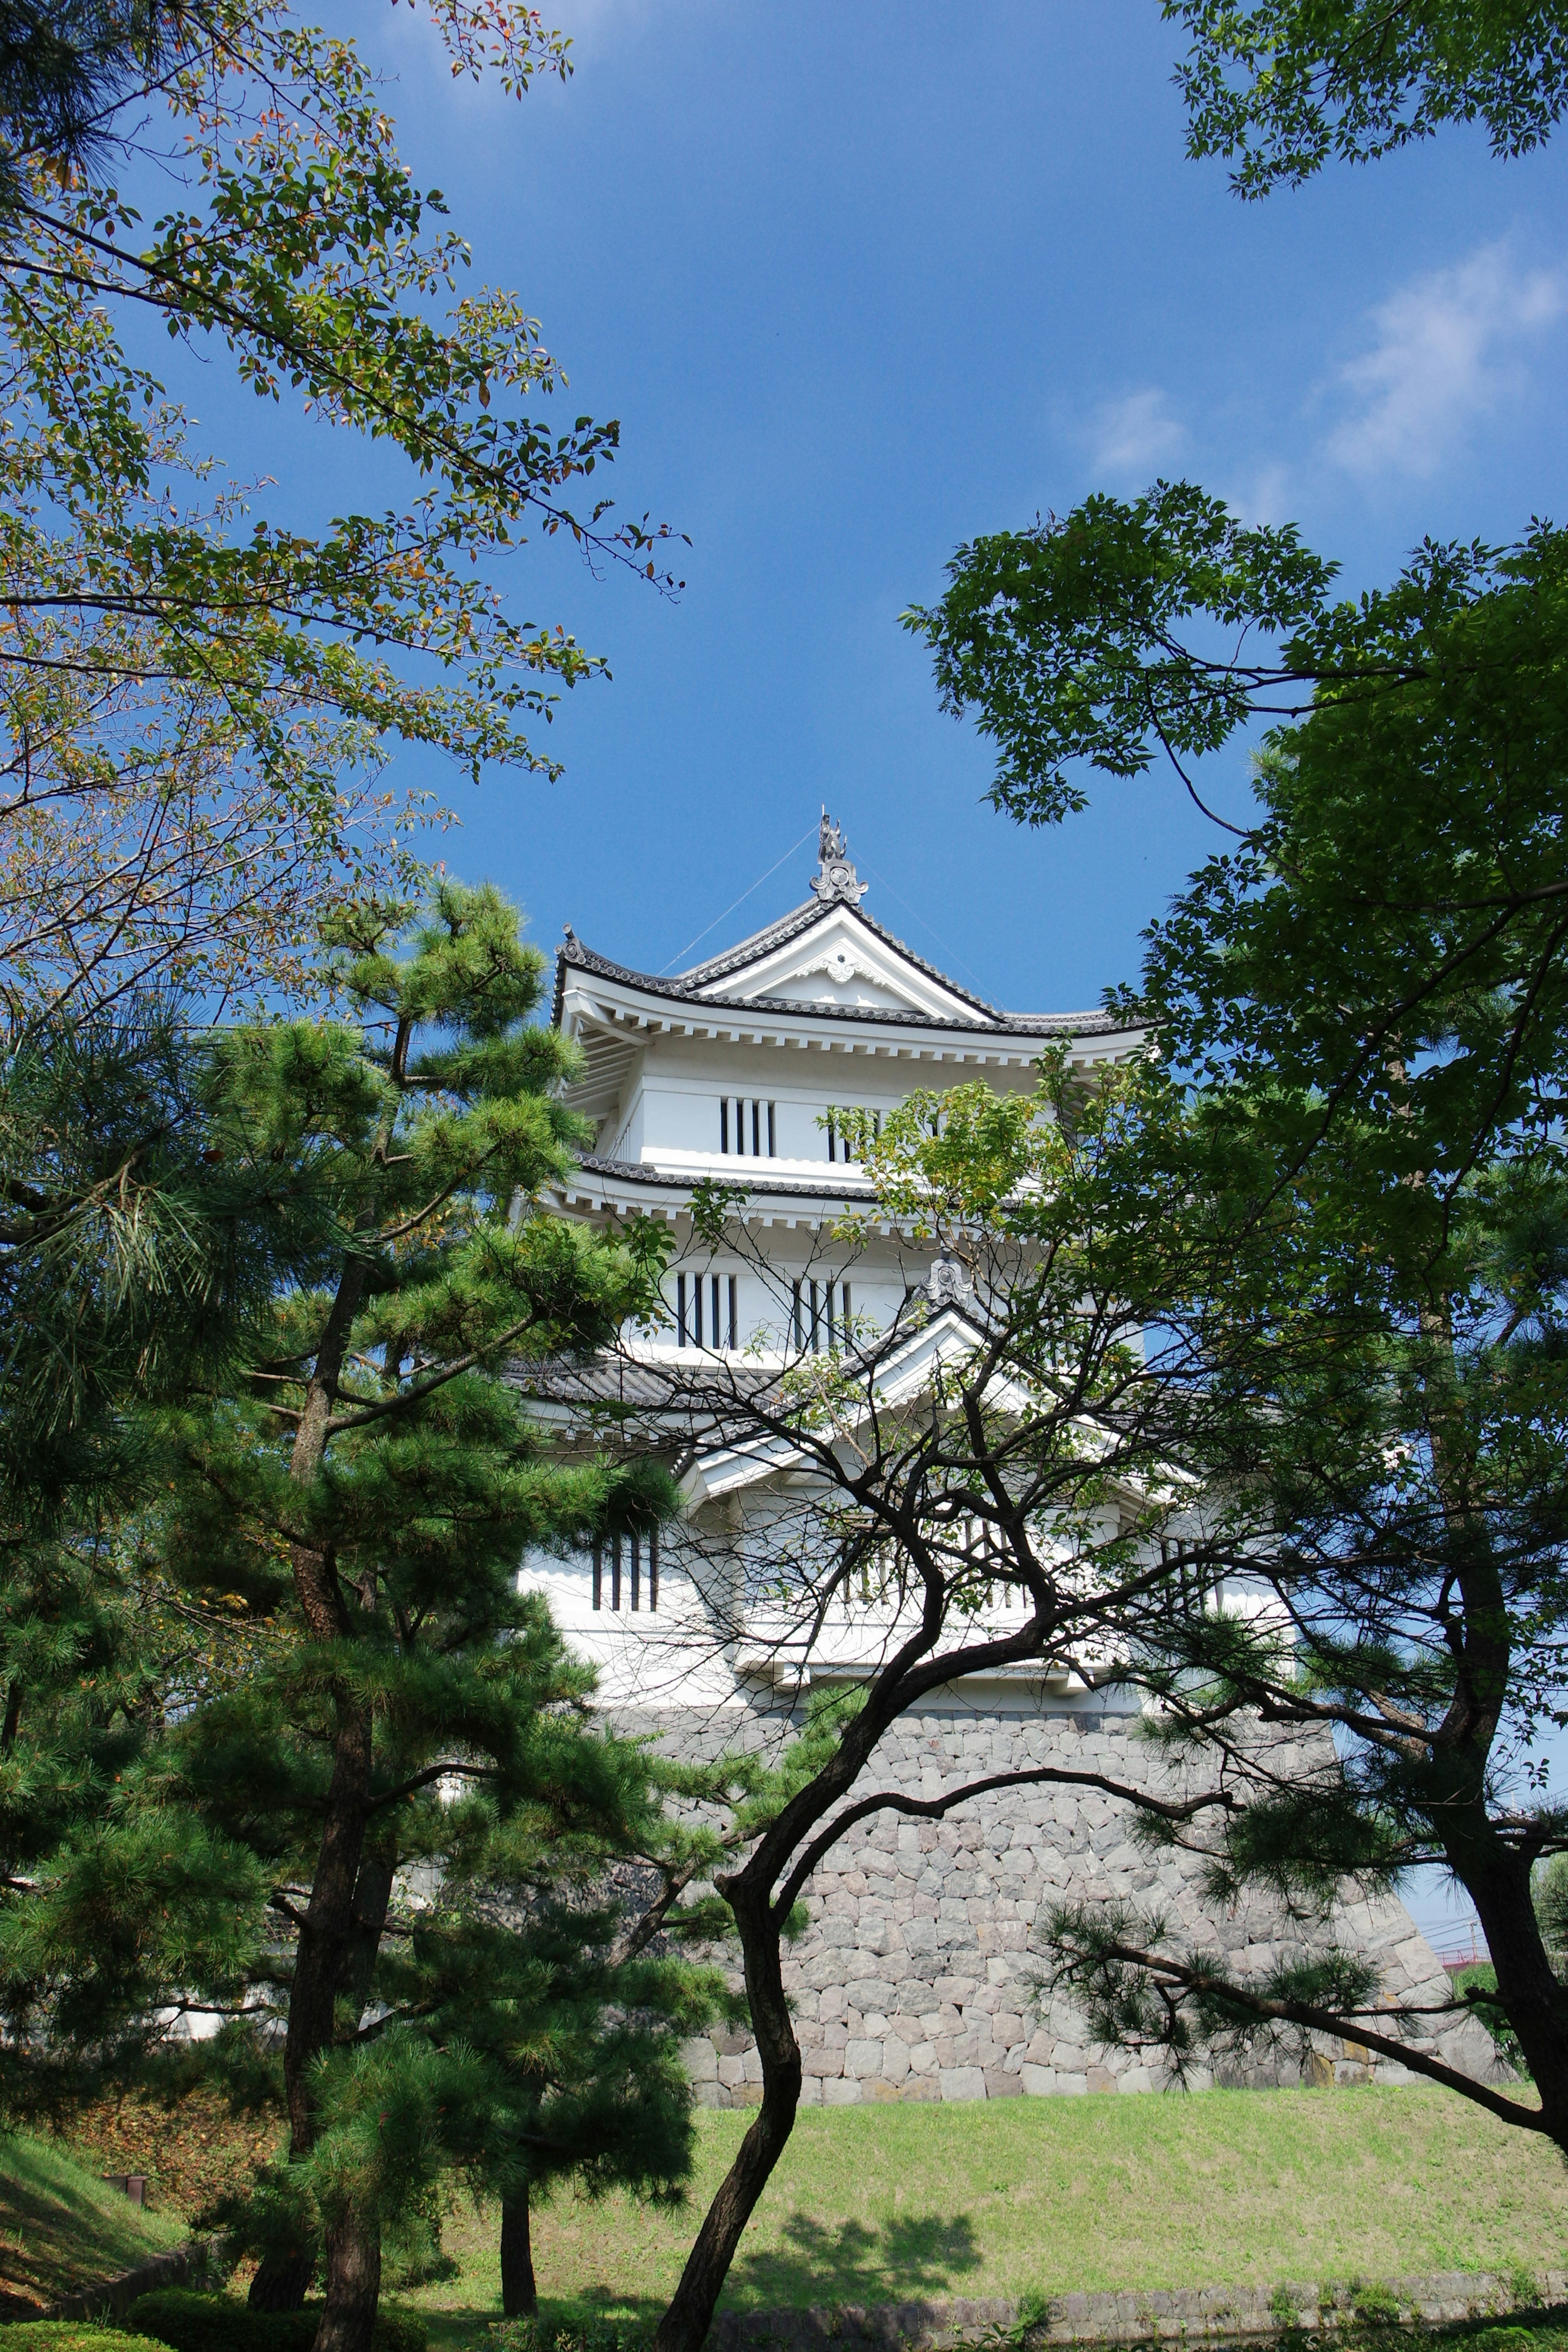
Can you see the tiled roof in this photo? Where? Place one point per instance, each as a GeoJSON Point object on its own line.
{"type": "Point", "coordinates": [684, 989]}
{"type": "Point", "coordinates": [633, 1171]}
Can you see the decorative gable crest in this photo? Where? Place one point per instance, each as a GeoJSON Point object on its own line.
{"type": "Point", "coordinates": [835, 877]}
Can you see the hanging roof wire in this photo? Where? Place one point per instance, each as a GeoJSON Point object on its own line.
{"type": "Point", "coordinates": [883, 884]}
{"type": "Point", "coordinates": [741, 901]}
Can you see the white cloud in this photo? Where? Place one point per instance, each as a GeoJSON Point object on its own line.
{"type": "Point", "coordinates": [1449, 348]}
{"type": "Point", "coordinates": [1135, 434]}
{"type": "Point", "coordinates": [1267, 495]}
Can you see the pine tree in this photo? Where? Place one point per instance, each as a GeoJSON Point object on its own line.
{"type": "Point", "coordinates": [558, 1971]}
{"type": "Point", "coordinates": [369, 1488]}
{"type": "Point", "coordinates": [132, 1256]}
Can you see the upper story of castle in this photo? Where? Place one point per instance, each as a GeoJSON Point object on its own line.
{"type": "Point", "coordinates": [731, 1070]}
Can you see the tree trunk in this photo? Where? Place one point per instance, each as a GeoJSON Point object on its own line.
{"type": "Point", "coordinates": [330, 1935]}
{"type": "Point", "coordinates": [283, 2281]}
{"type": "Point", "coordinates": [519, 2295]}
{"type": "Point", "coordinates": [1534, 2002]}
{"type": "Point", "coordinates": [323, 1963]}
{"type": "Point", "coordinates": [686, 2323]}
{"type": "Point", "coordinates": [353, 2285]}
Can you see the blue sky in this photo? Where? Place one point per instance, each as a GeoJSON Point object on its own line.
{"type": "Point", "coordinates": [861, 282]}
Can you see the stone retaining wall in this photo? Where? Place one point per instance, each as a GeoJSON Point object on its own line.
{"type": "Point", "coordinates": [913, 1979]}
{"type": "Point", "coordinates": [203, 2263]}
{"type": "Point", "coordinates": [1181, 2315]}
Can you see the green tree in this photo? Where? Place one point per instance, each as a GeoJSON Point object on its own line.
{"type": "Point", "coordinates": [557, 1970]}
{"type": "Point", "coordinates": [1363, 1001]}
{"type": "Point", "coordinates": [1400, 887]}
{"type": "Point", "coordinates": [1383, 1465]}
{"type": "Point", "coordinates": [374, 1484]}
{"type": "Point", "coordinates": [341, 1499]}
{"type": "Point", "coordinates": [199, 706]}
{"type": "Point", "coordinates": [1278, 89]}
{"type": "Point", "coordinates": [133, 1257]}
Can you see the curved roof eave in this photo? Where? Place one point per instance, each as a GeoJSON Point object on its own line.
{"type": "Point", "coordinates": [575, 957]}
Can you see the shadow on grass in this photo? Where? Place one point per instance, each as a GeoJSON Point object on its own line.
{"type": "Point", "coordinates": [900, 2261]}
{"type": "Point", "coordinates": [909, 2259]}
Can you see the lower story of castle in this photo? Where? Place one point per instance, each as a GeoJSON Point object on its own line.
{"type": "Point", "coordinates": [917, 1976]}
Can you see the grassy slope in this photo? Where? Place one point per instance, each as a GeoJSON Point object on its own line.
{"type": "Point", "coordinates": [60, 2227]}
{"type": "Point", "coordinates": [874, 2204]}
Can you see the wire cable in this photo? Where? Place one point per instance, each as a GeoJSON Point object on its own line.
{"type": "Point", "coordinates": [741, 901]}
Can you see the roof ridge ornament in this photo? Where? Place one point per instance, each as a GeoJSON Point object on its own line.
{"type": "Point", "coordinates": [835, 878]}
{"type": "Point", "coordinates": [947, 1284]}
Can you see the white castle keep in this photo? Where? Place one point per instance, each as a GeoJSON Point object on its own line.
{"type": "Point", "coordinates": [913, 1981]}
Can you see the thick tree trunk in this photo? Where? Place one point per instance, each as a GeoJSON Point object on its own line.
{"type": "Point", "coordinates": [330, 1938]}
{"type": "Point", "coordinates": [685, 2323]}
{"type": "Point", "coordinates": [519, 2295]}
{"type": "Point", "coordinates": [1534, 2002]}
{"type": "Point", "coordinates": [283, 2281]}
{"type": "Point", "coordinates": [353, 2285]}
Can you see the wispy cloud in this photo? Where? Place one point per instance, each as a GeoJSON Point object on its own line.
{"type": "Point", "coordinates": [1448, 349]}
{"type": "Point", "coordinates": [1268, 494]}
{"type": "Point", "coordinates": [1134, 435]}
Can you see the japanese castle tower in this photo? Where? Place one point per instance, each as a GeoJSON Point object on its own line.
{"type": "Point", "coordinates": [912, 1982]}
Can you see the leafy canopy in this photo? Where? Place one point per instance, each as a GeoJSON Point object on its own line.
{"type": "Point", "coordinates": [1278, 89]}
{"type": "Point", "coordinates": [198, 702]}
{"type": "Point", "coordinates": [1392, 920]}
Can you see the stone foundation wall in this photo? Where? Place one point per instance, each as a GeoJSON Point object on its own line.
{"type": "Point", "coordinates": [1214, 2316]}
{"type": "Point", "coordinates": [913, 1979]}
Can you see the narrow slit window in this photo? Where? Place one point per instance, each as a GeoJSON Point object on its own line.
{"type": "Point", "coordinates": [832, 1141]}
{"type": "Point", "coordinates": [816, 1322]}
{"type": "Point", "coordinates": [828, 1302]}
{"type": "Point", "coordinates": [653, 1568]}
{"type": "Point", "coordinates": [680, 1327]}
{"type": "Point", "coordinates": [844, 1308]}
{"type": "Point", "coordinates": [740, 1127]}
{"type": "Point", "coordinates": [636, 1571]}
{"type": "Point", "coordinates": [756, 1130]}
{"type": "Point", "coordinates": [696, 1310]}
{"type": "Point", "coordinates": [799, 1328]}
{"type": "Point", "coordinates": [724, 1122]}
{"type": "Point", "coordinates": [598, 1574]}
{"type": "Point", "coordinates": [717, 1327]}
{"type": "Point", "coordinates": [614, 1573]}
{"type": "Point", "coordinates": [773, 1147]}
{"type": "Point", "coordinates": [734, 1320]}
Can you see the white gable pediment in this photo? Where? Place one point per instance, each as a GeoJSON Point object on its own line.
{"type": "Point", "coordinates": [842, 960]}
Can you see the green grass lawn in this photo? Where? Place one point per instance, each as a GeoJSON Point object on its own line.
{"type": "Point", "coordinates": [1046, 2196]}
{"type": "Point", "coordinates": [61, 2228]}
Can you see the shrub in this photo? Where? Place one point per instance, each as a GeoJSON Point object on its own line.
{"type": "Point", "coordinates": [570, 2335]}
{"type": "Point", "coordinates": [73, 2336]}
{"type": "Point", "coordinates": [189, 2322]}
